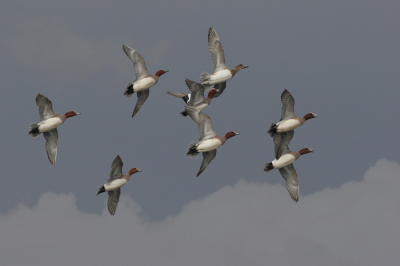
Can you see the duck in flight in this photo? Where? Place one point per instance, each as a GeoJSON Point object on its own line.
{"type": "Point", "coordinates": [289, 120]}
{"type": "Point", "coordinates": [143, 82]}
{"type": "Point", "coordinates": [221, 71]}
{"type": "Point", "coordinates": [49, 121]}
{"type": "Point", "coordinates": [114, 184]}
{"type": "Point", "coordinates": [208, 142]}
{"type": "Point", "coordinates": [195, 99]}
{"type": "Point", "coordinates": [284, 159]}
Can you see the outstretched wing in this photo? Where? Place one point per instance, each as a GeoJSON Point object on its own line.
{"type": "Point", "coordinates": [51, 144]}
{"type": "Point", "coordinates": [142, 97]}
{"type": "Point", "coordinates": [181, 95]}
{"type": "Point", "coordinates": [292, 183]}
{"type": "Point", "coordinates": [207, 158]}
{"type": "Point", "coordinates": [113, 199]}
{"type": "Point", "coordinates": [281, 141]}
{"type": "Point", "coordinates": [116, 169]}
{"type": "Point", "coordinates": [197, 92]}
{"type": "Point", "coordinates": [220, 87]}
{"type": "Point", "coordinates": [206, 129]}
{"type": "Point", "coordinates": [45, 107]}
{"type": "Point", "coordinates": [287, 105]}
{"type": "Point", "coordinates": [216, 50]}
{"type": "Point", "coordinates": [138, 62]}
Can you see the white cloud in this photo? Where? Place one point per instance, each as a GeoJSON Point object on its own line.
{"type": "Point", "coordinates": [248, 224]}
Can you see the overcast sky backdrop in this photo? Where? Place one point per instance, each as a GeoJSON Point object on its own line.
{"type": "Point", "coordinates": [339, 59]}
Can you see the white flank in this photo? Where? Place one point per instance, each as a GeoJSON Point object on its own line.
{"type": "Point", "coordinates": [287, 125]}
{"type": "Point", "coordinates": [49, 124]}
{"type": "Point", "coordinates": [283, 161]}
{"type": "Point", "coordinates": [209, 145]}
{"type": "Point", "coordinates": [143, 84]}
{"type": "Point", "coordinates": [219, 77]}
{"type": "Point", "coordinates": [117, 183]}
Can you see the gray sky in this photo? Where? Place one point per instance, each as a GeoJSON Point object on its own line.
{"type": "Point", "coordinates": [338, 59]}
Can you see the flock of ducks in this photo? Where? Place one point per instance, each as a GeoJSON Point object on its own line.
{"type": "Point", "coordinates": [282, 132]}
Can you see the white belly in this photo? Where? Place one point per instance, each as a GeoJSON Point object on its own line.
{"type": "Point", "coordinates": [219, 77]}
{"type": "Point", "coordinates": [143, 84]}
{"type": "Point", "coordinates": [283, 161]}
{"type": "Point", "coordinates": [49, 124]}
{"type": "Point", "coordinates": [209, 145]}
{"type": "Point", "coordinates": [287, 125]}
{"type": "Point", "coordinates": [117, 183]}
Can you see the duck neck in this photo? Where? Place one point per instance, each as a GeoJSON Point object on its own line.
{"type": "Point", "coordinates": [127, 177]}
{"type": "Point", "coordinates": [211, 93]}
{"type": "Point", "coordinates": [234, 71]}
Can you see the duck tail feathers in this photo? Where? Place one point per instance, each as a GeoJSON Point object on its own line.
{"type": "Point", "coordinates": [101, 190]}
{"type": "Point", "coordinates": [272, 130]}
{"type": "Point", "coordinates": [268, 167]}
{"type": "Point", "coordinates": [34, 130]}
{"type": "Point", "coordinates": [184, 113]}
{"type": "Point", "coordinates": [204, 77]}
{"type": "Point", "coordinates": [129, 90]}
{"type": "Point", "coordinates": [192, 151]}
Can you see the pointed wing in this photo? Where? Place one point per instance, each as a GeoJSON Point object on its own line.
{"type": "Point", "coordinates": [116, 169]}
{"type": "Point", "coordinates": [207, 158]}
{"type": "Point", "coordinates": [292, 183]}
{"type": "Point", "coordinates": [287, 105]}
{"type": "Point", "coordinates": [281, 142]}
{"type": "Point", "coordinates": [138, 62]}
{"type": "Point", "coordinates": [206, 129]}
{"type": "Point", "coordinates": [51, 144]}
{"type": "Point", "coordinates": [142, 97]}
{"type": "Point", "coordinates": [220, 87]}
{"type": "Point", "coordinates": [45, 107]}
{"type": "Point", "coordinates": [113, 199]}
{"type": "Point", "coordinates": [178, 94]}
{"type": "Point", "coordinates": [197, 92]}
{"type": "Point", "coordinates": [216, 50]}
